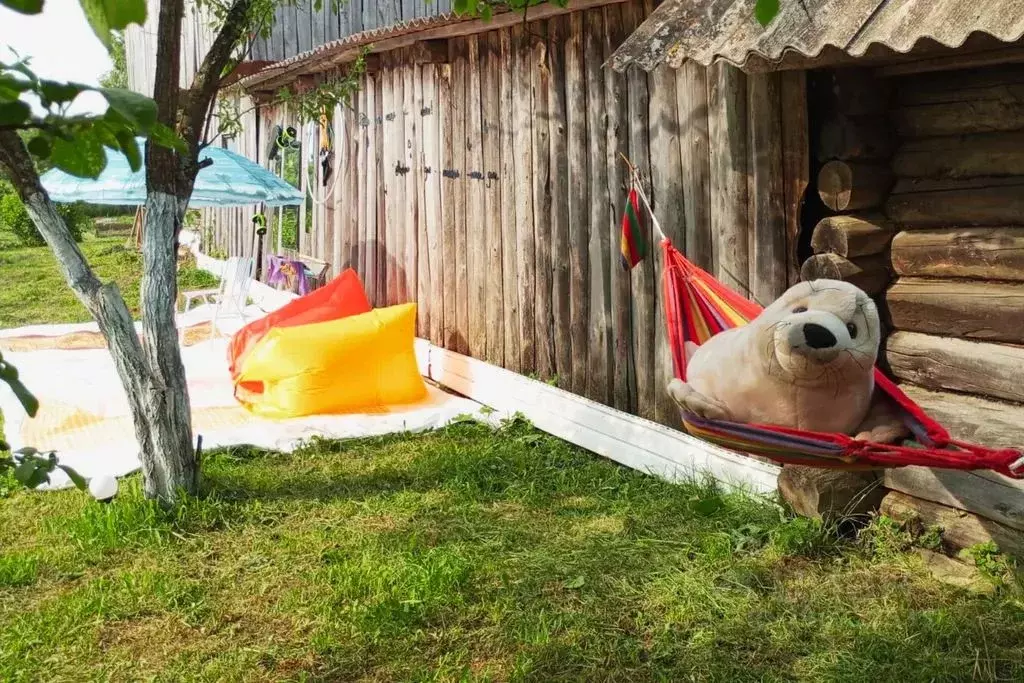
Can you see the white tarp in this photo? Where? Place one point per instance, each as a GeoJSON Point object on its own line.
{"type": "Point", "coordinates": [84, 414]}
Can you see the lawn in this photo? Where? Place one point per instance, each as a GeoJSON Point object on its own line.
{"type": "Point", "coordinates": [471, 554]}
{"type": "Point", "coordinates": [34, 291]}
{"type": "Point", "coordinates": [468, 553]}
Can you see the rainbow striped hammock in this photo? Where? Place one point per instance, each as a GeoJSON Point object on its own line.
{"type": "Point", "coordinates": [697, 307]}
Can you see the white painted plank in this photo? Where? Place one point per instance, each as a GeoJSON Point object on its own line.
{"type": "Point", "coordinates": [624, 438]}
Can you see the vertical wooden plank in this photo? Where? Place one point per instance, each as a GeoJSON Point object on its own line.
{"type": "Point", "coordinates": [338, 196]}
{"type": "Point", "coordinates": [579, 199]}
{"type": "Point", "coordinates": [600, 355]}
{"type": "Point", "coordinates": [426, 305]}
{"type": "Point", "coordinates": [541, 174]}
{"type": "Point", "coordinates": [476, 241]}
{"type": "Point", "coordinates": [727, 133]}
{"type": "Point", "coordinates": [379, 81]}
{"type": "Point", "coordinates": [301, 239]}
{"type": "Point", "coordinates": [368, 169]}
{"type": "Point", "coordinates": [509, 260]}
{"type": "Point", "coordinates": [666, 175]}
{"type": "Point", "coordinates": [796, 163]}
{"type": "Point", "coordinates": [460, 194]}
{"type": "Point", "coordinates": [332, 25]}
{"type": "Point", "coordinates": [621, 372]}
{"type": "Point", "coordinates": [353, 249]}
{"type": "Point", "coordinates": [445, 106]}
{"type": "Point", "coordinates": [522, 144]}
{"type": "Point", "coordinates": [491, 224]}
{"type": "Point", "coordinates": [361, 126]}
{"type": "Point", "coordinates": [559, 191]}
{"type": "Point", "coordinates": [767, 219]}
{"type": "Point", "coordinates": [289, 29]}
{"type": "Point", "coordinates": [395, 184]}
{"type": "Point", "coordinates": [432, 154]}
{"type": "Point", "coordinates": [692, 102]}
{"type": "Point", "coordinates": [304, 25]}
{"type": "Point", "coordinates": [411, 198]}
{"type": "Point", "coordinates": [354, 10]}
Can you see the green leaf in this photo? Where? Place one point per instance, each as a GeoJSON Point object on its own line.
{"type": "Point", "coordinates": [578, 582]}
{"type": "Point", "coordinates": [24, 6]}
{"type": "Point", "coordinates": [135, 108]}
{"type": "Point", "coordinates": [75, 477]}
{"type": "Point", "coordinates": [106, 16]}
{"type": "Point", "coordinates": [27, 471]}
{"type": "Point", "coordinates": [52, 92]}
{"type": "Point", "coordinates": [11, 88]}
{"type": "Point", "coordinates": [14, 113]}
{"type": "Point", "coordinates": [765, 11]}
{"type": "Point", "coordinates": [40, 147]}
{"type": "Point", "coordinates": [165, 137]}
{"type": "Point", "coordinates": [131, 149]}
{"type": "Point", "coordinates": [29, 402]}
{"type": "Point", "coordinates": [82, 157]}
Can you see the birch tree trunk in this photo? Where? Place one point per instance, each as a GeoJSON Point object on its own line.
{"type": "Point", "coordinates": [151, 369]}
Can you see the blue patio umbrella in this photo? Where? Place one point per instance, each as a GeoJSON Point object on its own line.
{"type": "Point", "coordinates": [231, 180]}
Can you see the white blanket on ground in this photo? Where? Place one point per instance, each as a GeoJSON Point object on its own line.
{"type": "Point", "coordinates": [84, 413]}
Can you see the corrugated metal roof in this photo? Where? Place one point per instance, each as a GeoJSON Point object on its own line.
{"type": "Point", "coordinates": [708, 30]}
{"type": "Point", "coordinates": [356, 40]}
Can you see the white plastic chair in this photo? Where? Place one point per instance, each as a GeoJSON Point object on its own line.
{"type": "Point", "coordinates": [231, 297]}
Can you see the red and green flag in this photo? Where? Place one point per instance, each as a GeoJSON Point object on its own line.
{"type": "Point", "coordinates": [632, 243]}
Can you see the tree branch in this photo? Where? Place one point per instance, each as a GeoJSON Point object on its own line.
{"type": "Point", "coordinates": [104, 302]}
{"type": "Point", "coordinates": [208, 77]}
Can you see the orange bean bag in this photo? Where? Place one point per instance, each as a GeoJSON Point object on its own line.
{"type": "Point", "coordinates": [342, 297]}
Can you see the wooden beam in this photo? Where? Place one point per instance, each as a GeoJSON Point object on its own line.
{"type": "Point", "coordinates": [852, 236]}
{"type": "Point", "coordinates": [959, 529]}
{"type": "Point", "coordinates": [624, 438]}
{"type": "Point", "coordinates": [869, 273]}
{"type": "Point", "coordinates": [986, 311]}
{"type": "Point", "coordinates": [977, 202]}
{"type": "Point", "coordinates": [430, 51]}
{"type": "Point", "coordinates": [949, 363]}
{"type": "Point", "coordinates": [767, 226]}
{"type": "Point", "coordinates": [983, 253]}
{"type": "Point", "coordinates": [853, 186]}
{"type": "Point", "coordinates": [1008, 55]}
{"type": "Point", "coordinates": [968, 156]}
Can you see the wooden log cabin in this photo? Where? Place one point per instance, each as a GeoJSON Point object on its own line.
{"type": "Point", "coordinates": [478, 172]}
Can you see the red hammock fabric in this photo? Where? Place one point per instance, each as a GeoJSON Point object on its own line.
{"type": "Point", "coordinates": [697, 307]}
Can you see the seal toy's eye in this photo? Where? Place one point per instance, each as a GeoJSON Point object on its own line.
{"type": "Point", "coordinates": [852, 329]}
{"type": "Point", "coordinates": [800, 309]}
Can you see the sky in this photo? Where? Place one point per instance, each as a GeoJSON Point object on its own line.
{"type": "Point", "coordinates": [61, 45]}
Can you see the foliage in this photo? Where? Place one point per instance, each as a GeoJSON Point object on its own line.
{"type": "Point", "coordinates": [117, 77]}
{"type": "Point", "coordinates": [485, 8]}
{"type": "Point", "coordinates": [468, 554]}
{"type": "Point", "coordinates": [991, 562]}
{"type": "Point", "coordinates": [34, 291]}
{"type": "Point", "coordinates": [15, 219]}
{"type": "Point", "coordinates": [765, 11]}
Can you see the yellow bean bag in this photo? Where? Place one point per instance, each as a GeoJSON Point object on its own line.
{"type": "Point", "coordinates": [352, 364]}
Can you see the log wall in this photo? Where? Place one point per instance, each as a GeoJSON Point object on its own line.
{"type": "Point", "coordinates": [489, 187]}
{"type": "Point", "coordinates": [957, 303]}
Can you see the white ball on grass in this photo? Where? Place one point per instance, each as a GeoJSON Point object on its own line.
{"type": "Point", "coordinates": [103, 487]}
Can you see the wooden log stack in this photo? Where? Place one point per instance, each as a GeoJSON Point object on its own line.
{"type": "Point", "coordinates": [957, 307]}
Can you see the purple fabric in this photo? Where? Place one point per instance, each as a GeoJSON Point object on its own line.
{"type": "Point", "coordinates": [277, 277]}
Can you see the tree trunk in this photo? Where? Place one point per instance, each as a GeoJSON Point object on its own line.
{"type": "Point", "coordinates": [156, 394]}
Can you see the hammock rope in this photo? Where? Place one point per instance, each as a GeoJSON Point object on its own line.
{"type": "Point", "coordinates": [697, 306]}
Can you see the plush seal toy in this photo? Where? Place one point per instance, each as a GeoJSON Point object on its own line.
{"type": "Point", "coordinates": [806, 362]}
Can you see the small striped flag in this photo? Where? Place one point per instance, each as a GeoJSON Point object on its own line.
{"type": "Point", "coordinates": [632, 243]}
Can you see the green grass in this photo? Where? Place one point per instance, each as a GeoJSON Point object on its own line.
{"type": "Point", "coordinates": [34, 291]}
{"type": "Point", "coordinates": [469, 554]}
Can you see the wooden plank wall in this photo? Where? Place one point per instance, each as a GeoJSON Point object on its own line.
{"type": "Point", "coordinates": [490, 189]}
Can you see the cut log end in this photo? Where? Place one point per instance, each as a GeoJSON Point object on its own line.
{"type": "Point", "coordinates": [851, 186]}
{"type": "Point", "coordinates": [868, 273]}
{"type": "Point", "coordinates": [852, 236]}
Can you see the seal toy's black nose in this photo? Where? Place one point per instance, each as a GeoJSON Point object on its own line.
{"type": "Point", "coordinates": [818, 337]}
